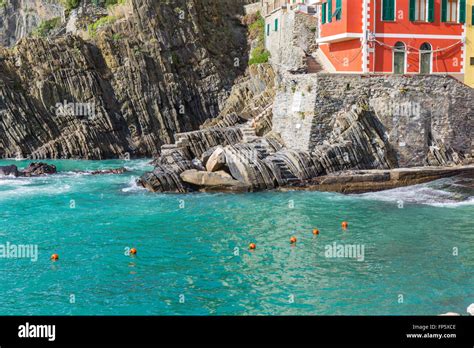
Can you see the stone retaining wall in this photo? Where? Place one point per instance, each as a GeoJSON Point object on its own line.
{"type": "Point", "coordinates": [426, 118]}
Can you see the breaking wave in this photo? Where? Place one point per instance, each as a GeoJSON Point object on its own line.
{"type": "Point", "coordinates": [449, 193]}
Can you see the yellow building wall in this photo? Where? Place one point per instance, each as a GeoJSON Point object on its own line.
{"type": "Point", "coordinates": [469, 73]}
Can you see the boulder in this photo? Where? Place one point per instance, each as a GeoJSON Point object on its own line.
{"type": "Point", "coordinates": [198, 178]}
{"type": "Point", "coordinates": [38, 169]}
{"type": "Point", "coordinates": [197, 164]}
{"type": "Point", "coordinates": [9, 170]}
{"type": "Point", "coordinates": [217, 161]}
{"type": "Point", "coordinates": [207, 154]}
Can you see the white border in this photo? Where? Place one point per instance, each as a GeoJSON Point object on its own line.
{"type": "Point", "coordinates": [340, 37]}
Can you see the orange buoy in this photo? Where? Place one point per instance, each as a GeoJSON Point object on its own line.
{"type": "Point", "coordinates": [315, 231]}
{"type": "Point", "coordinates": [293, 240]}
{"type": "Point", "coordinates": [344, 225]}
{"type": "Point", "coordinates": [133, 251]}
{"type": "Point", "coordinates": [55, 257]}
{"type": "Point", "coordinates": [252, 246]}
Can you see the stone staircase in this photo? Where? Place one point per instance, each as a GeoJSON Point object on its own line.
{"type": "Point", "coordinates": [248, 132]}
{"type": "Point", "coordinates": [281, 170]}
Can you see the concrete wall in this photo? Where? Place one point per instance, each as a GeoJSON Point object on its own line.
{"type": "Point", "coordinates": [253, 8]}
{"type": "Point", "coordinates": [416, 112]}
{"type": "Point", "coordinates": [295, 36]}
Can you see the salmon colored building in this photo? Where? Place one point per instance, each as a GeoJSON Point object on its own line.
{"type": "Point", "coordinates": [393, 36]}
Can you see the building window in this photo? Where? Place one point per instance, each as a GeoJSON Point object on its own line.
{"type": "Point", "coordinates": [388, 10]}
{"type": "Point", "coordinates": [422, 10]}
{"type": "Point", "coordinates": [330, 11]}
{"type": "Point", "coordinates": [276, 24]}
{"type": "Point", "coordinates": [268, 29]}
{"type": "Point", "coordinates": [425, 58]}
{"type": "Point", "coordinates": [324, 12]}
{"type": "Point", "coordinates": [453, 11]}
{"type": "Point", "coordinates": [399, 58]}
{"type": "Point", "coordinates": [338, 13]}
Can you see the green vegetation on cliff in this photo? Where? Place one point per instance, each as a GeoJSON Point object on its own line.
{"type": "Point", "coordinates": [47, 26]}
{"type": "Point", "coordinates": [92, 29]}
{"type": "Point", "coordinates": [70, 4]}
{"type": "Point", "coordinates": [259, 54]}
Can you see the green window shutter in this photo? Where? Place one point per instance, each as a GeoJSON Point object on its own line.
{"type": "Point", "coordinates": [472, 15]}
{"type": "Point", "coordinates": [462, 12]}
{"type": "Point", "coordinates": [412, 10]}
{"type": "Point", "coordinates": [388, 10]}
{"type": "Point", "coordinates": [339, 9]}
{"type": "Point", "coordinates": [276, 24]}
{"type": "Point", "coordinates": [268, 29]}
{"type": "Point", "coordinates": [329, 11]}
{"type": "Point", "coordinates": [444, 11]}
{"type": "Point", "coordinates": [324, 13]}
{"type": "Point", "coordinates": [431, 9]}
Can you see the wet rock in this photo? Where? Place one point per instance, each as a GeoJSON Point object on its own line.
{"type": "Point", "coordinates": [9, 170]}
{"type": "Point", "coordinates": [108, 171]}
{"type": "Point", "coordinates": [38, 169]}
{"type": "Point", "coordinates": [361, 181]}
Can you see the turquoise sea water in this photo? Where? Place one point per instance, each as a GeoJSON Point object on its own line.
{"type": "Point", "coordinates": [193, 256]}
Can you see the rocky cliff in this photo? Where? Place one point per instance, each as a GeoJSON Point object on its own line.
{"type": "Point", "coordinates": [169, 79]}
{"type": "Point", "coordinates": [19, 18]}
{"type": "Point", "coordinates": [322, 124]}
{"type": "Point", "coordinates": [125, 88]}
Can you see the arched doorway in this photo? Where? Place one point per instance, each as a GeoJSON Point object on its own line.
{"type": "Point", "coordinates": [425, 58]}
{"type": "Point", "coordinates": [399, 58]}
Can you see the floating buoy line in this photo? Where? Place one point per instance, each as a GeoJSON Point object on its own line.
{"type": "Point", "coordinates": [293, 239]}
{"type": "Point", "coordinates": [252, 246]}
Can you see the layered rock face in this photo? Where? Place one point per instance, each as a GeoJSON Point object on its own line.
{"type": "Point", "coordinates": [323, 124]}
{"type": "Point", "coordinates": [165, 69]}
{"type": "Point", "coordinates": [247, 110]}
